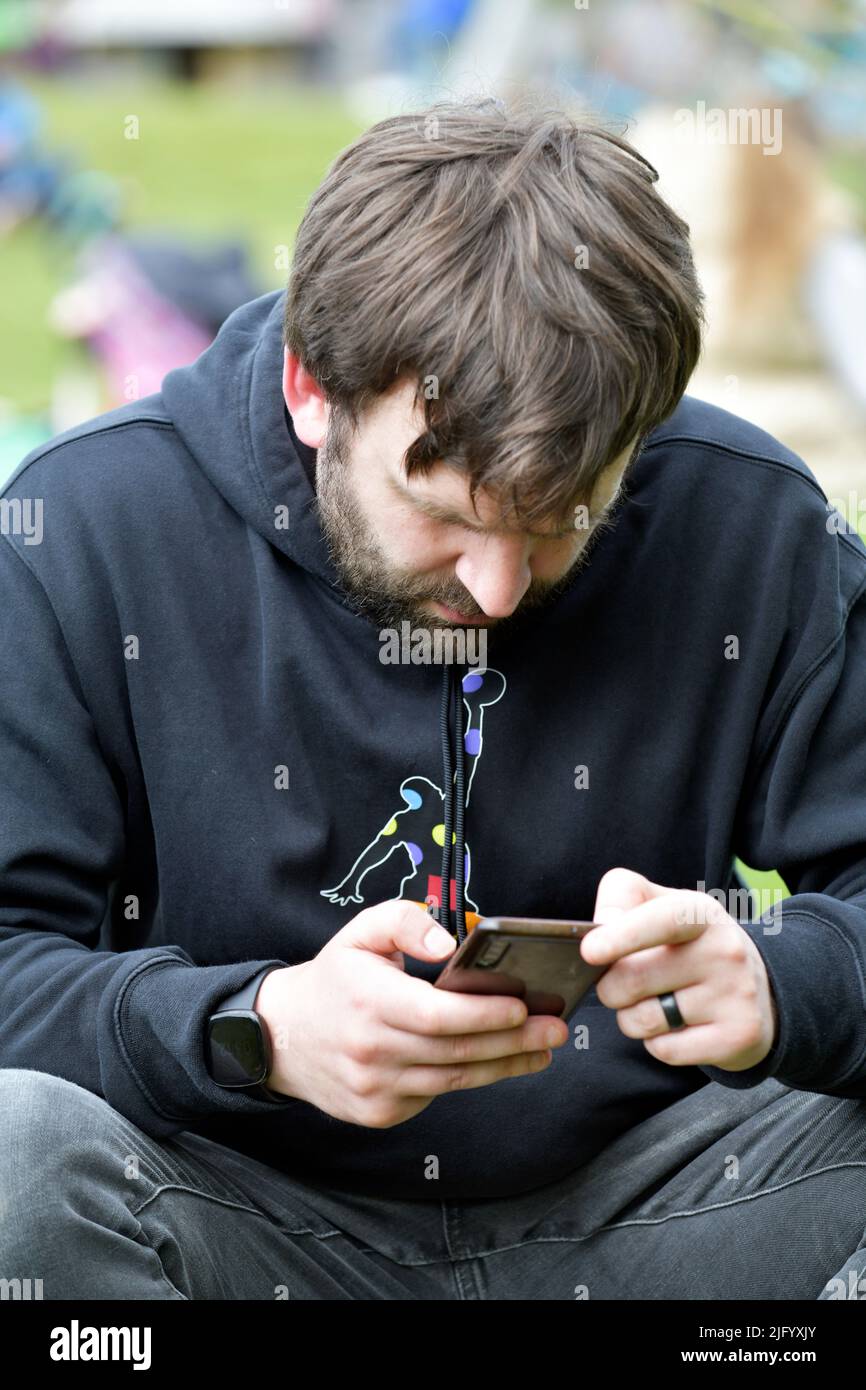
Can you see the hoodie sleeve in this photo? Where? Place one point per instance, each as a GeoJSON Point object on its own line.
{"type": "Point", "coordinates": [128, 1026]}
{"type": "Point", "coordinates": [803, 813]}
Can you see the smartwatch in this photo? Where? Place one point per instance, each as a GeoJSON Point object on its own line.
{"type": "Point", "coordinates": [237, 1045]}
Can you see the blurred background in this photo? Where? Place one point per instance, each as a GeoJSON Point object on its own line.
{"type": "Point", "coordinates": [156, 157]}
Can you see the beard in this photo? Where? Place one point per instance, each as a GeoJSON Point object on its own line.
{"type": "Point", "coordinates": [384, 593]}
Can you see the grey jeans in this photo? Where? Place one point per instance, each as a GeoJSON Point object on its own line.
{"type": "Point", "coordinates": [753, 1194]}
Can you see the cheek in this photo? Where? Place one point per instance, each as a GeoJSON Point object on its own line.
{"type": "Point", "coordinates": [416, 543]}
{"type": "Point", "coordinates": [551, 559]}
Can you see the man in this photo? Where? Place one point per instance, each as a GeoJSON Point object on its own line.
{"type": "Point", "coordinates": [226, 1071]}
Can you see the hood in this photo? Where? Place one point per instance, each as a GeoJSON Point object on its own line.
{"type": "Point", "coordinates": [229, 410]}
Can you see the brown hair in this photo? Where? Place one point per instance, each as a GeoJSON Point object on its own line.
{"type": "Point", "coordinates": [444, 245]}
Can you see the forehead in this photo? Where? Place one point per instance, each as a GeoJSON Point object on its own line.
{"type": "Point", "coordinates": [395, 421]}
{"type": "Point", "coordinates": [448, 488]}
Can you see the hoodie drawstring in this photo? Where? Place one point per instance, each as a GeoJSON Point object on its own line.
{"type": "Point", "coordinates": [452, 693]}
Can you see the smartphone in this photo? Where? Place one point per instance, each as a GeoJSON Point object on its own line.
{"type": "Point", "coordinates": [534, 958]}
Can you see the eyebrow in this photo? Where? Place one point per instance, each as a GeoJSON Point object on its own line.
{"type": "Point", "coordinates": [447, 515]}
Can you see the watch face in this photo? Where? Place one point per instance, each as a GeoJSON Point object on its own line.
{"type": "Point", "coordinates": [237, 1055]}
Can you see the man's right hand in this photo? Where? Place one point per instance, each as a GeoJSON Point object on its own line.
{"type": "Point", "coordinates": [357, 1037]}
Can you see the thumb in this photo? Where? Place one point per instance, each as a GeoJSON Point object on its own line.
{"type": "Point", "coordinates": [398, 925]}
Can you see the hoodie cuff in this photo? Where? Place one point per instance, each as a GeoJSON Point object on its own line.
{"type": "Point", "coordinates": [152, 1045]}
{"type": "Point", "coordinates": [809, 949]}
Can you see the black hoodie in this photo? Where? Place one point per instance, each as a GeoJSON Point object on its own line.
{"type": "Point", "coordinates": [207, 770]}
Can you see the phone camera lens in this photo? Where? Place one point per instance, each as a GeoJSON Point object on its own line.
{"type": "Point", "coordinates": [492, 954]}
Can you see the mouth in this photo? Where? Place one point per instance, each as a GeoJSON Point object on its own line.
{"type": "Point", "coordinates": [462, 619]}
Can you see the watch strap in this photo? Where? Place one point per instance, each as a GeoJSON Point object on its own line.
{"type": "Point", "coordinates": [244, 998]}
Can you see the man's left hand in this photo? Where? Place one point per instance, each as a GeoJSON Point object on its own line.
{"type": "Point", "coordinates": [659, 940]}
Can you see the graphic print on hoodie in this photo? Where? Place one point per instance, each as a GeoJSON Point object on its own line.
{"type": "Point", "coordinates": [197, 737]}
{"type": "Point", "coordinates": [416, 833]}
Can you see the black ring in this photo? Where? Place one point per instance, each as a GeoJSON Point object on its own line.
{"type": "Point", "coordinates": [671, 1011]}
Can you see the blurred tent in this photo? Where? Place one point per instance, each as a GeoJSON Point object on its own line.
{"type": "Point", "coordinates": [168, 23]}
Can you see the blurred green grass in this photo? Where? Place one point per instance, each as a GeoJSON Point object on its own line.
{"type": "Point", "coordinates": [209, 161]}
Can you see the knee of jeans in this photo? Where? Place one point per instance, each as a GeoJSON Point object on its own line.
{"type": "Point", "coordinates": [61, 1146]}
{"type": "Point", "coordinates": [48, 1137]}
{"type": "Point", "coordinates": [46, 1121]}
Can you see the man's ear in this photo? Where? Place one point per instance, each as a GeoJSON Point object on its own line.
{"type": "Point", "coordinates": [305, 401]}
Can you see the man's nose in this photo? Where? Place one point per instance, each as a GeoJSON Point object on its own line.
{"type": "Point", "coordinates": [496, 572]}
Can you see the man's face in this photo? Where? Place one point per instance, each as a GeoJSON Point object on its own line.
{"type": "Point", "coordinates": [415, 549]}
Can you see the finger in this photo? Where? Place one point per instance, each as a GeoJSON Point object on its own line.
{"type": "Point", "coordinates": [706, 1046]}
{"type": "Point", "coordinates": [619, 890]}
{"type": "Point", "coordinates": [646, 1018]}
{"type": "Point", "coordinates": [398, 925]}
{"type": "Point", "coordinates": [437, 1081]}
{"type": "Point", "coordinates": [539, 1033]}
{"type": "Point", "coordinates": [415, 1006]}
{"type": "Point", "coordinates": [658, 922]}
{"type": "Point", "coordinates": [653, 971]}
